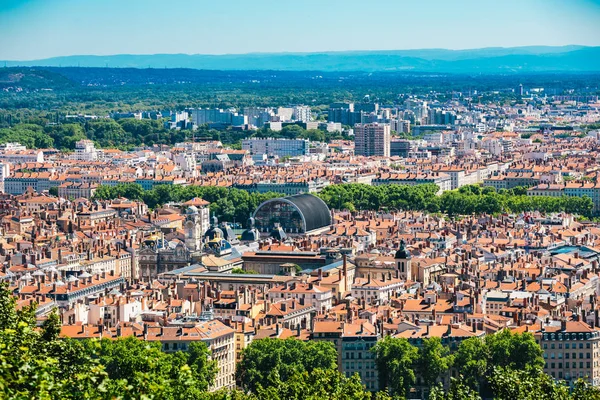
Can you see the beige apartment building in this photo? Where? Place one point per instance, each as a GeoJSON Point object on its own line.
{"type": "Point", "coordinates": [571, 351]}
{"type": "Point", "coordinates": [372, 140]}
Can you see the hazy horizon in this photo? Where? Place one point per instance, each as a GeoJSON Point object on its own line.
{"type": "Point", "coordinates": [40, 29]}
{"type": "Point", "coordinates": [300, 52]}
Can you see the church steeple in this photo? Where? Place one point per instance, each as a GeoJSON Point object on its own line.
{"type": "Point", "coordinates": [403, 262]}
{"type": "Point", "coordinates": [193, 229]}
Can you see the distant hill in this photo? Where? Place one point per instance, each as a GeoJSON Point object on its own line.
{"type": "Point", "coordinates": [33, 78]}
{"type": "Point", "coordinates": [486, 60]}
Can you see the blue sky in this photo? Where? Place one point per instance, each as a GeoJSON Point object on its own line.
{"type": "Point", "coordinates": [34, 29]}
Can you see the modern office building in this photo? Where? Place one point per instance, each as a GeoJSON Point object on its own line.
{"type": "Point", "coordinates": [217, 116]}
{"type": "Point", "coordinates": [344, 113]}
{"type": "Point", "coordinates": [401, 147]}
{"type": "Point", "coordinates": [372, 139]}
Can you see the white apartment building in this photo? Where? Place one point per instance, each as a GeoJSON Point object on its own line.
{"type": "Point", "coordinates": [4, 172]}
{"type": "Point", "coordinates": [301, 113]}
{"type": "Point", "coordinates": [85, 151]}
{"type": "Point", "coordinates": [22, 156]}
{"type": "Point", "coordinates": [186, 162]}
{"type": "Point", "coordinates": [113, 310]}
{"type": "Point", "coordinates": [318, 296]}
{"type": "Point", "coordinates": [12, 147]}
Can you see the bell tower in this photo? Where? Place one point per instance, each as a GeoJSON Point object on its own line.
{"type": "Point", "coordinates": [193, 229]}
{"type": "Point", "coordinates": [403, 262]}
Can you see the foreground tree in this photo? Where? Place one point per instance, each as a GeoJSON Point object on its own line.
{"type": "Point", "coordinates": [509, 384]}
{"type": "Point", "coordinates": [268, 362]}
{"type": "Point", "coordinates": [34, 363]}
{"type": "Point", "coordinates": [458, 391]}
{"type": "Point", "coordinates": [433, 360]}
{"type": "Point", "coordinates": [316, 385]}
{"type": "Point", "coordinates": [395, 359]}
{"type": "Point", "coordinates": [517, 351]}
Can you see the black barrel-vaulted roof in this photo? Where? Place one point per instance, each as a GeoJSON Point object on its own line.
{"type": "Point", "coordinates": [313, 210]}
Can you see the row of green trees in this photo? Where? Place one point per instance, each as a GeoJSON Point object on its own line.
{"type": "Point", "coordinates": [400, 363]}
{"type": "Point", "coordinates": [470, 199]}
{"type": "Point", "coordinates": [127, 133]}
{"type": "Point", "coordinates": [124, 134]}
{"type": "Point", "coordinates": [228, 204]}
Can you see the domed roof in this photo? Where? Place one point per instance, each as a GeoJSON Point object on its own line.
{"type": "Point", "coordinates": [402, 252]}
{"type": "Point", "coordinates": [218, 246]}
{"type": "Point", "coordinates": [214, 231]}
{"type": "Point", "coordinates": [314, 212]}
{"type": "Point", "coordinates": [251, 234]}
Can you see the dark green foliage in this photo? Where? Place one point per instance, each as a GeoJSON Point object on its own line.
{"type": "Point", "coordinates": [228, 204]}
{"type": "Point", "coordinates": [433, 360]}
{"type": "Point", "coordinates": [476, 358]}
{"type": "Point", "coordinates": [29, 135]}
{"type": "Point", "coordinates": [278, 369]}
{"type": "Point", "coordinates": [266, 358]}
{"type": "Point", "coordinates": [457, 391]}
{"type": "Point", "coordinates": [471, 199]}
{"type": "Point", "coordinates": [395, 359]}
{"type": "Point", "coordinates": [315, 385]}
{"type": "Point", "coordinates": [399, 363]}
